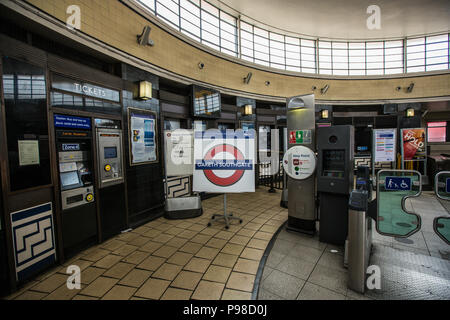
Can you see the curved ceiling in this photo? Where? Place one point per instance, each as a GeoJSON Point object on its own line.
{"type": "Point", "coordinates": [346, 19]}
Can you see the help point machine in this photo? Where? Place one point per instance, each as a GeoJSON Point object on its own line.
{"type": "Point", "coordinates": [299, 163]}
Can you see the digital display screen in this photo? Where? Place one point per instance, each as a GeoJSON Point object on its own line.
{"type": "Point", "coordinates": [206, 102]}
{"type": "Point", "coordinates": [333, 163]}
{"type": "Point", "coordinates": [363, 139]}
{"type": "Point", "coordinates": [110, 152]}
{"type": "Point", "coordinates": [69, 178]}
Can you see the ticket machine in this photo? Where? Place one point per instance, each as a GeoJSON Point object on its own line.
{"type": "Point", "coordinates": [109, 151]}
{"type": "Point", "coordinates": [76, 182]}
{"type": "Point", "coordinates": [110, 177]}
{"type": "Point", "coordinates": [335, 146]}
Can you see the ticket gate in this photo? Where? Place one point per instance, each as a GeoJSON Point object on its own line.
{"type": "Point", "coordinates": [389, 212]}
{"type": "Point", "coordinates": [359, 239]}
{"type": "Point", "coordinates": [76, 184]}
{"type": "Point", "coordinates": [441, 225]}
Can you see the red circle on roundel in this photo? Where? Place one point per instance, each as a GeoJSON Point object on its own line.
{"type": "Point", "coordinates": [235, 177]}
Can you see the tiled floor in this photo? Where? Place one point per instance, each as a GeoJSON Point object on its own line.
{"type": "Point", "coordinates": [174, 259]}
{"type": "Point", "coordinates": [301, 267]}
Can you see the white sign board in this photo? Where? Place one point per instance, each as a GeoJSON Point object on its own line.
{"type": "Point", "coordinates": [179, 152]}
{"type": "Point", "coordinates": [384, 145]}
{"type": "Point", "coordinates": [299, 162]}
{"type": "Point", "coordinates": [28, 152]}
{"type": "Point", "coordinates": [224, 162]}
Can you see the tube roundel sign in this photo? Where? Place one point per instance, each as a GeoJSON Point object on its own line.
{"type": "Point", "coordinates": [224, 162]}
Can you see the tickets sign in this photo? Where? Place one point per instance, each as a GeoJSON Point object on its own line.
{"type": "Point", "coordinates": [224, 161]}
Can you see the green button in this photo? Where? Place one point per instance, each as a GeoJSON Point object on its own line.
{"type": "Point", "coordinates": [296, 168]}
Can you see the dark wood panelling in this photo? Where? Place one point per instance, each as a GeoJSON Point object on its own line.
{"type": "Point", "coordinates": [227, 116]}
{"type": "Point", "coordinates": [23, 200]}
{"type": "Point", "coordinates": [145, 188]}
{"type": "Point", "coordinates": [261, 118]}
{"type": "Point", "coordinates": [22, 51]}
{"type": "Point", "coordinates": [172, 97]}
{"type": "Point", "coordinates": [69, 68]}
{"type": "Point", "coordinates": [174, 108]}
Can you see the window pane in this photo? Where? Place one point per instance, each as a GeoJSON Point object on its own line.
{"type": "Point", "coordinates": [247, 27]}
{"type": "Point", "coordinates": [393, 44]}
{"type": "Point", "coordinates": [169, 11]}
{"type": "Point", "coordinates": [149, 4]}
{"type": "Point", "coordinates": [439, 38]}
{"type": "Point", "coordinates": [436, 134]}
{"type": "Point", "coordinates": [293, 41]}
{"type": "Point", "coordinates": [209, 8]}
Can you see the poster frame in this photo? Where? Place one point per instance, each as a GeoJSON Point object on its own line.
{"type": "Point", "coordinates": [425, 147]}
{"type": "Point", "coordinates": [374, 143]}
{"type": "Point", "coordinates": [144, 112]}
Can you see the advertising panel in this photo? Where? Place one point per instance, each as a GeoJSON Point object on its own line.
{"type": "Point", "coordinates": [413, 144]}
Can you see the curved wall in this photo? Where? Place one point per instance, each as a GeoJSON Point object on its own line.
{"type": "Point", "coordinates": [116, 24]}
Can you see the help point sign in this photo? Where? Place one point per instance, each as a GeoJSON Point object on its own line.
{"type": "Point", "coordinates": [224, 161]}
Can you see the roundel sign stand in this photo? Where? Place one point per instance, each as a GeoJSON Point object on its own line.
{"type": "Point", "coordinates": [299, 162]}
{"type": "Point", "coordinates": [224, 163]}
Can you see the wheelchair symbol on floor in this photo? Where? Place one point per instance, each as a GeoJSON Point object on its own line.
{"type": "Point", "coordinates": [397, 183]}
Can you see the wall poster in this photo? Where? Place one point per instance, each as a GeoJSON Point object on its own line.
{"type": "Point", "coordinates": [384, 145]}
{"type": "Point", "coordinates": [413, 144]}
{"type": "Point", "coordinates": [142, 134]}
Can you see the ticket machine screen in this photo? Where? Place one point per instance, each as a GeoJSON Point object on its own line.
{"type": "Point", "coordinates": [69, 179]}
{"type": "Point", "coordinates": [110, 152]}
{"type": "Point", "coordinates": [333, 163]}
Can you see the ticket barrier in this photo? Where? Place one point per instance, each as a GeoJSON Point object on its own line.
{"type": "Point", "coordinates": [389, 212]}
{"type": "Point", "coordinates": [78, 200]}
{"type": "Point", "coordinates": [359, 239]}
{"type": "Point", "coordinates": [441, 225]}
